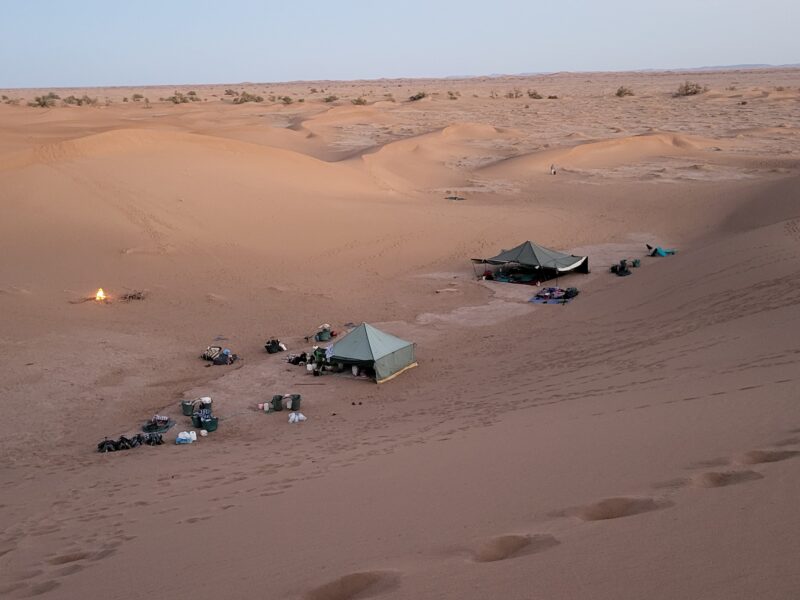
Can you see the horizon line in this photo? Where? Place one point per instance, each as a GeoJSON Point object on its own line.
{"type": "Point", "coordinates": [708, 68]}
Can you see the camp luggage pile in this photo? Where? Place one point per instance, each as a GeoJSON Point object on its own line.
{"type": "Point", "coordinates": [282, 401]}
{"type": "Point", "coordinates": [217, 355]}
{"type": "Point", "coordinates": [554, 295]}
{"type": "Point", "coordinates": [622, 268]}
{"type": "Point", "coordinates": [158, 424]}
{"type": "Point", "coordinates": [126, 443]}
{"type": "Point", "coordinates": [203, 418]}
{"type": "Point", "coordinates": [297, 359]}
{"type": "Point", "coordinates": [273, 346]}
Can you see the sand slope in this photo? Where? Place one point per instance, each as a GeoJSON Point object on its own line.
{"type": "Point", "coordinates": [639, 442]}
{"type": "Point", "coordinates": [603, 154]}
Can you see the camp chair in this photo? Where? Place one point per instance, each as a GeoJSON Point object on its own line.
{"type": "Point", "coordinates": [211, 353]}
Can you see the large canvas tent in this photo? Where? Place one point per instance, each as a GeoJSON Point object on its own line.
{"type": "Point", "coordinates": [367, 346]}
{"type": "Point", "coordinates": [532, 256]}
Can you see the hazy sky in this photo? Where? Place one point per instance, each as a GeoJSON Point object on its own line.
{"type": "Point", "coordinates": [88, 42]}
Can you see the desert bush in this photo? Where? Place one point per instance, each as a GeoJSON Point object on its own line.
{"type": "Point", "coordinates": [360, 101]}
{"type": "Point", "coordinates": [689, 88]}
{"type": "Point", "coordinates": [46, 101]}
{"type": "Point", "coordinates": [553, 97]}
{"type": "Point", "coordinates": [515, 93]}
{"type": "Point", "coordinates": [313, 90]}
{"type": "Point", "coordinates": [623, 91]}
{"type": "Point", "coordinates": [74, 100]}
{"type": "Point", "coordinates": [534, 95]}
{"type": "Point", "coordinates": [137, 97]}
{"type": "Point", "coordinates": [231, 93]}
{"type": "Point", "coordinates": [247, 97]}
{"type": "Point", "coordinates": [330, 98]}
{"type": "Point", "coordinates": [418, 96]}
{"type": "Point", "coordinates": [11, 101]}
{"type": "Point", "coordinates": [125, 99]}
{"type": "Point", "coordinates": [452, 96]}
{"type": "Point", "coordinates": [3, 97]}
{"type": "Point", "coordinates": [287, 100]}
{"type": "Point", "coordinates": [178, 98]}
{"type": "Point", "coordinates": [780, 88]}
{"type": "Point", "coordinates": [301, 99]}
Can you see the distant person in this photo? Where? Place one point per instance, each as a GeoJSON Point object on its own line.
{"type": "Point", "coordinates": [552, 169]}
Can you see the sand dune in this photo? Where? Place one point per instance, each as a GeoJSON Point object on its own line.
{"type": "Point", "coordinates": [443, 158]}
{"type": "Point", "coordinates": [603, 154]}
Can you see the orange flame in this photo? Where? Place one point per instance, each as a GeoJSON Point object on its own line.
{"type": "Point", "coordinates": [100, 296]}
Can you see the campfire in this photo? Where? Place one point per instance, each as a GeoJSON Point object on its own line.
{"type": "Point", "coordinates": [102, 297]}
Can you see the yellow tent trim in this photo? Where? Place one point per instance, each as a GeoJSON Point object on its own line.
{"type": "Point", "coordinates": [403, 370]}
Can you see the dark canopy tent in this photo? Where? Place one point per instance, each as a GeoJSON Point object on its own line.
{"type": "Point", "coordinates": [538, 258]}
{"type": "Point", "coordinates": [367, 346]}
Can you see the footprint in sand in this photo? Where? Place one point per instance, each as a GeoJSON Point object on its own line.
{"type": "Point", "coordinates": [790, 441]}
{"type": "Point", "coordinates": [757, 457]}
{"type": "Point", "coordinates": [41, 588]}
{"type": "Point", "coordinates": [68, 558]}
{"type": "Point", "coordinates": [511, 546]}
{"type": "Point", "coordinates": [713, 462]}
{"type": "Point", "coordinates": [616, 508]}
{"type": "Point", "coordinates": [365, 584]}
{"type": "Point", "coordinates": [70, 570]}
{"type": "Point", "coordinates": [7, 589]}
{"type": "Point", "coordinates": [715, 479]}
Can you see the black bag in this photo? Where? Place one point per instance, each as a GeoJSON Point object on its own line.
{"type": "Point", "coordinates": [299, 359]}
{"type": "Point", "coordinates": [273, 346]}
{"type": "Point", "coordinates": [225, 359]}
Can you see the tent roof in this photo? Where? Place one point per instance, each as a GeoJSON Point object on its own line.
{"type": "Point", "coordinates": [529, 254]}
{"type": "Point", "coordinates": [365, 342]}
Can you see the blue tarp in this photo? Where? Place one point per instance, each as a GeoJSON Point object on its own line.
{"type": "Point", "coordinates": [659, 251]}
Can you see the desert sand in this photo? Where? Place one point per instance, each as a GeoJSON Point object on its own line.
{"type": "Point", "coordinates": [642, 441]}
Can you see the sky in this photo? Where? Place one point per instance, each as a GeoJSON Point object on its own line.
{"type": "Point", "coordinates": [52, 43]}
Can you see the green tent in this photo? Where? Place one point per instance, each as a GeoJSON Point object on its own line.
{"type": "Point", "coordinates": [367, 346]}
{"type": "Point", "coordinates": [533, 256]}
